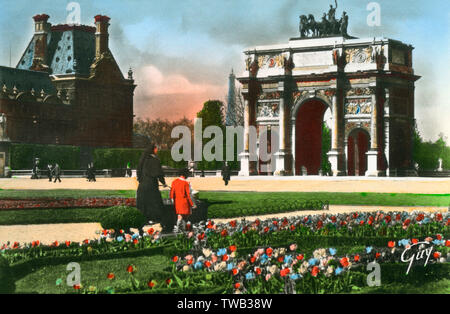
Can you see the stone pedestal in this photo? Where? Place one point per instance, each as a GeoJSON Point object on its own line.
{"type": "Point", "coordinates": [281, 160]}
{"type": "Point", "coordinates": [336, 159]}
{"type": "Point", "coordinates": [248, 165]}
{"type": "Point", "coordinates": [372, 164]}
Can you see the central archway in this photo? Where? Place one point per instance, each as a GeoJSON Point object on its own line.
{"type": "Point", "coordinates": [308, 136]}
{"type": "Point", "coordinates": [358, 145]}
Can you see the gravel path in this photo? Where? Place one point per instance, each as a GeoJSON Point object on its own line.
{"type": "Point", "coordinates": [48, 233]}
{"type": "Point", "coordinates": [257, 184]}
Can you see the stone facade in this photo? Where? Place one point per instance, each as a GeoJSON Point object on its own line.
{"type": "Point", "coordinates": [67, 89]}
{"type": "Point", "coordinates": [368, 84]}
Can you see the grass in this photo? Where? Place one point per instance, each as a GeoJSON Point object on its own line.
{"type": "Point", "coordinates": [93, 273]}
{"type": "Point", "coordinates": [50, 216]}
{"type": "Point", "coordinates": [436, 287]}
{"type": "Point", "coordinates": [218, 202]}
{"type": "Point", "coordinates": [61, 193]}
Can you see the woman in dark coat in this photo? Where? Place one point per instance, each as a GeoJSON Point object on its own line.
{"type": "Point", "coordinates": [148, 198]}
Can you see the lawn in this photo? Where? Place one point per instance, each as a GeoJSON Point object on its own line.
{"type": "Point", "coordinates": [221, 204]}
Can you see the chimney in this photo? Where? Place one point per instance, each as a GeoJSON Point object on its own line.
{"type": "Point", "coordinates": [41, 29]}
{"type": "Point", "coordinates": [101, 35]}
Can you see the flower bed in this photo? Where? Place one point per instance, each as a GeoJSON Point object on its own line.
{"type": "Point", "coordinates": [308, 254]}
{"type": "Point", "coordinates": [48, 203]}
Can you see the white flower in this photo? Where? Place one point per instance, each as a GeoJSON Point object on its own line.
{"type": "Point", "coordinates": [207, 252]}
{"type": "Point", "coordinates": [186, 268]}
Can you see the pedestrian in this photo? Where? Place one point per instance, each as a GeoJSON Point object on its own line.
{"type": "Point", "coordinates": [226, 173]}
{"type": "Point", "coordinates": [181, 194]}
{"type": "Point", "coordinates": [34, 171]}
{"type": "Point", "coordinates": [91, 172]}
{"type": "Point", "coordinates": [57, 173]}
{"type": "Point", "coordinates": [49, 172]}
{"type": "Point", "coordinates": [148, 197]}
{"type": "Point", "coordinates": [128, 172]}
{"type": "Point", "coordinates": [88, 173]}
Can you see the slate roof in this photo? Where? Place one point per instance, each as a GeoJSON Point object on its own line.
{"type": "Point", "coordinates": [70, 50]}
{"type": "Point", "coordinates": [25, 80]}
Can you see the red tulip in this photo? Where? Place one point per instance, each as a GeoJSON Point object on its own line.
{"type": "Point", "coordinates": [436, 255]}
{"type": "Point", "coordinates": [280, 259]}
{"type": "Point", "coordinates": [292, 227]}
{"type": "Point", "coordinates": [110, 276]}
{"type": "Point", "coordinates": [237, 285]}
{"type": "Point", "coordinates": [356, 258]}
{"type": "Point", "coordinates": [315, 271]}
{"type": "Point", "coordinates": [235, 271]}
{"type": "Point", "coordinates": [77, 287]}
{"type": "Point", "coordinates": [257, 222]}
{"type": "Point", "coordinates": [300, 257]}
{"type": "Point", "coordinates": [258, 270]}
{"type": "Point", "coordinates": [266, 229]}
{"type": "Point", "coordinates": [225, 258]}
{"type": "Point", "coordinates": [269, 251]}
{"type": "Point", "coordinates": [131, 269]}
{"type": "Point", "coordinates": [233, 223]}
{"type": "Point", "coordinates": [284, 272]}
{"type": "Point", "coordinates": [377, 255]}
{"type": "Point", "coordinates": [233, 248]}
{"type": "Point", "coordinates": [447, 243]}
{"type": "Point", "coordinates": [407, 222]}
{"type": "Point", "coordinates": [319, 224]}
{"type": "Point", "coordinates": [252, 259]}
{"type": "Point", "coordinates": [150, 231]}
{"type": "Point", "coordinates": [275, 222]}
{"type": "Point", "coordinates": [207, 264]}
{"type": "Point", "coordinates": [135, 241]}
{"type": "Point", "coordinates": [414, 241]}
{"type": "Point", "coordinates": [67, 243]}
{"type": "Point", "coordinates": [398, 217]}
{"type": "Point", "coordinates": [391, 244]}
{"type": "Point", "coordinates": [150, 284]}
{"type": "Point", "coordinates": [344, 262]}
{"type": "Point", "coordinates": [224, 233]}
{"type": "Point", "coordinates": [439, 217]}
{"type": "Point", "coordinates": [168, 281]}
{"type": "Point", "coordinates": [420, 217]}
{"type": "Point", "coordinates": [439, 237]}
{"type": "Point", "coordinates": [361, 222]}
{"type": "Point", "coordinates": [175, 259]}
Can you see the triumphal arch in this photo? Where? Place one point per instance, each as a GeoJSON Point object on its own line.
{"type": "Point", "coordinates": [366, 83]}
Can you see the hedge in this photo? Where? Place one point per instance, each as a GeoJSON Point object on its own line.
{"type": "Point", "coordinates": [22, 156]}
{"type": "Point", "coordinates": [118, 158]}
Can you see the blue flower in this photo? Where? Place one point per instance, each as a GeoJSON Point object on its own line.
{"type": "Point", "coordinates": [312, 261]}
{"type": "Point", "coordinates": [230, 266]}
{"type": "Point", "coordinates": [332, 251]}
{"type": "Point", "coordinates": [426, 220]}
{"type": "Point", "coordinates": [119, 239]}
{"type": "Point", "coordinates": [295, 276]}
{"type": "Point", "coordinates": [338, 270]}
{"type": "Point", "coordinates": [368, 249]}
{"type": "Point", "coordinates": [403, 242]}
{"type": "Point", "coordinates": [438, 242]}
{"type": "Point", "coordinates": [287, 259]}
{"type": "Point", "coordinates": [198, 265]}
{"type": "Point", "coordinates": [136, 235]}
{"type": "Point", "coordinates": [221, 252]}
{"type": "Point", "coordinates": [249, 276]}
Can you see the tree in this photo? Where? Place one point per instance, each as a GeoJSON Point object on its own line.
{"type": "Point", "coordinates": [159, 131]}
{"type": "Point", "coordinates": [237, 117]}
{"type": "Point", "coordinates": [212, 114]}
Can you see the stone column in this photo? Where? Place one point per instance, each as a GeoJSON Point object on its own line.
{"type": "Point", "coordinates": [248, 156]}
{"type": "Point", "coordinates": [372, 154]}
{"type": "Point", "coordinates": [282, 154]}
{"type": "Point", "coordinates": [336, 155]}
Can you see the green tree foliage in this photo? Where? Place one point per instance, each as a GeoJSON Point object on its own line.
{"type": "Point", "coordinates": [22, 156]}
{"type": "Point", "coordinates": [326, 147]}
{"type": "Point", "coordinates": [426, 154]}
{"type": "Point", "coordinates": [212, 115]}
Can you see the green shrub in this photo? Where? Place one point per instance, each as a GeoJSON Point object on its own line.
{"type": "Point", "coordinates": [122, 217]}
{"type": "Point", "coordinates": [118, 158]}
{"type": "Point", "coordinates": [7, 284]}
{"type": "Point", "coordinates": [22, 156]}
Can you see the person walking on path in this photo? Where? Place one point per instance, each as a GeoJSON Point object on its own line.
{"type": "Point", "coordinates": [57, 173]}
{"type": "Point", "coordinates": [49, 172]}
{"type": "Point", "coordinates": [180, 193]}
{"type": "Point", "coordinates": [91, 172]}
{"type": "Point", "coordinates": [34, 171]}
{"type": "Point", "coordinates": [148, 197]}
{"type": "Point", "coordinates": [226, 173]}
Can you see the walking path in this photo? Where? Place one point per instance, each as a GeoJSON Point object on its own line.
{"type": "Point", "coordinates": [78, 232]}
{"type": "Point", "coordinates": [255, 184]}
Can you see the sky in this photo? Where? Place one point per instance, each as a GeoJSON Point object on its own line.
{"type": "Point", "coordinates": [182, 51]}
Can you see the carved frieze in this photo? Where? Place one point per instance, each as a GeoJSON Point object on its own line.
{"type": "Point", "coordinates": [359, 55]}
{"type": "Point", "coordinates": [270, 95]}
{"type": "Point", "coordinates": [358, 106]}
{"type": "Point", "coordinates": [350, 126]}
{"type": "Point", "coordinates": [360, 92]}
{"type": "Point", "coordinates": [268, 110]}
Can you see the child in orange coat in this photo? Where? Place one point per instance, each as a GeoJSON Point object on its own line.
{"type": "Point", "coordinates": [180, 193]}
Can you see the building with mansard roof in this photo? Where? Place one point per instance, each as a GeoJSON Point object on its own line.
{"type": "Point", "coordinates": [66, 89]}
